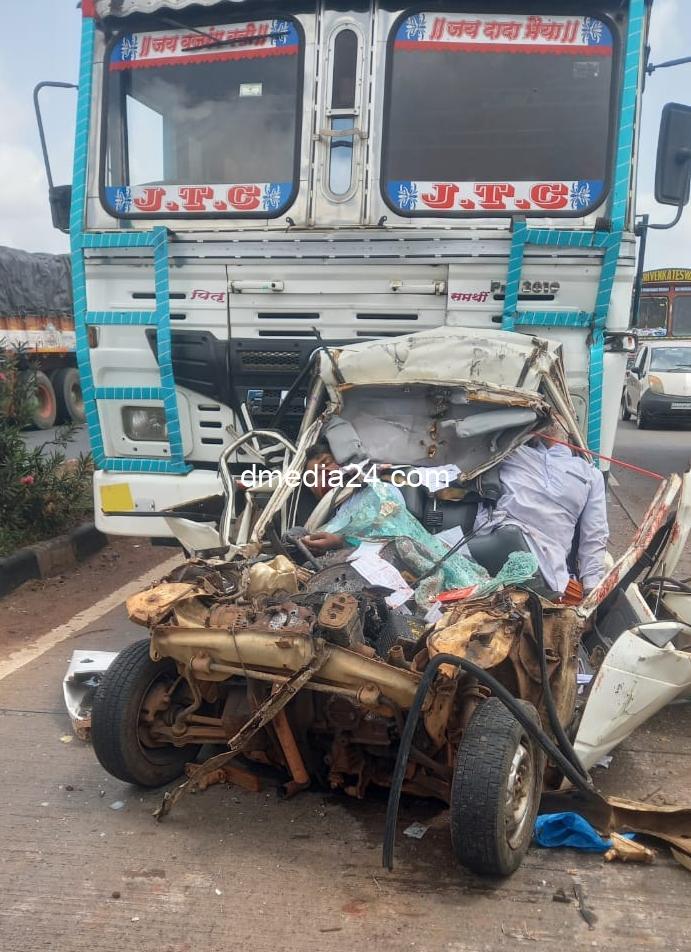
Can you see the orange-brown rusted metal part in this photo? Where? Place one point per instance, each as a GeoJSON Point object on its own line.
{"type": "Point", "coordinates": [339, 618]}
{"type": "Point", "coordinates": [496, 634]}
{"type": "Point", "coordinates": [291, 752]}
{"type": "Point", "coordinates": [229, 774]}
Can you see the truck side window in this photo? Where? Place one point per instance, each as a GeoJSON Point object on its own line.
{"type": "Point", "coordinates": [343, 110]}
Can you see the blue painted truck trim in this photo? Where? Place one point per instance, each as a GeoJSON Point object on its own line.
{"type": "Point", "coordinates": [159, 318]}
{"type": "Point", "coordinates": [609, 243]}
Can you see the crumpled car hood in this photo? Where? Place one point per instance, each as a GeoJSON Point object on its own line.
{"type": "Point", "coordinates": [446, 355]}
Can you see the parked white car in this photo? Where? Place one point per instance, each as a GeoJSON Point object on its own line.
{"type": "Point", "coordinates": [658, 383]}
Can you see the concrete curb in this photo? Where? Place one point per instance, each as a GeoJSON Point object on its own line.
{"type": "Point", "coordinates": [44, 559]}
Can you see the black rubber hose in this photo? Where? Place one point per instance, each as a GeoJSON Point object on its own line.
{"type": "Point", "coordinates": [277, 419]}
{"type": "Point", "coordinates": [452, 551]}
{"type": "Point", "coordinates": [674, 584]}
{"type": "Point", "coordinates": [506, 698]}
{"type": "Point", "coordinates": [563, 742]}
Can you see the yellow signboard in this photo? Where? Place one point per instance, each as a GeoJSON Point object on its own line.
{"type": "Point", "coordinates": [667, 276]}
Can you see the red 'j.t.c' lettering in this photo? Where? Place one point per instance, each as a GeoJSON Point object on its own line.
{"type": "Point", "coordinates": [194, 197]}
{"type": "Point", "coordinates": [550, 195]}
{"type": "Point", "coordinates": [443, 195]}
{"type": "Point", "coordinates": [245, 197]}
{"type": "Point", "coordinates": [492, 194]}
{"type": "Point", "coordinates": [151, 200]}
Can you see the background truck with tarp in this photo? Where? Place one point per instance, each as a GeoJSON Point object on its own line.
{"type": "Point", "coordinates": [36, 317]}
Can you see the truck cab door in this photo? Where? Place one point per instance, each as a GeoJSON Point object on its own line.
{"type": "Point", "coordinates": [341, 134]}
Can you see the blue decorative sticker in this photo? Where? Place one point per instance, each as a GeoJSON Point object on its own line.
{"type": "Point", "coordinates": [584, 194]}
{"type": "Point", "coordinates": [403, 195]}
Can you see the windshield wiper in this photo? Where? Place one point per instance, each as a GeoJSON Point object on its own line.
{"type": "Point", "coordinates": [213, 42]}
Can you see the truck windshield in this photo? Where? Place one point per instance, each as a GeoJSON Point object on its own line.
{"type": "Point", "coordinates": [681, 316]}
{"type": "Point", "coordinates": [652, 313]}
{"type": "Point", "coordinates": [203, 122]}
{"type": "Point", "coordinates": [494, 113]}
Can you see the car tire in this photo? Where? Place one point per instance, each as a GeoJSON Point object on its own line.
{"type": "Point", "coordinates": [496, 789]}
{"type": "Point", "coordinates": [625, 412]}
{"type": "Point", "coordinates": [115, 729]}
{"type": "Point", "coordinates": [45, 409]}
{"type": "Point", "coordinates": [641, 419]}
{"type": "Point", "coordinates": [68, 394]}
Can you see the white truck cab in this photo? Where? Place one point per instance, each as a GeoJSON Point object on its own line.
{"type": "Point", "coordinates": [254, 180]}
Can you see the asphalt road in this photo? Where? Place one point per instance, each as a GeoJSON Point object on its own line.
{"type": "Point", "coordinates": [85, 864]}
{"type": "Point", "coordinates": [661, 451]}
{"type": "Point", "coordinates": [78, 444]}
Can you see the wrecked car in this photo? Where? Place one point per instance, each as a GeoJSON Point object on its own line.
{"type": "Point", "coordinates": [360, 668]}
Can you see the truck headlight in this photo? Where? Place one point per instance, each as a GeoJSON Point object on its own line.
{"type": "Point", "coordinates": [145, 424]}
{"type": "Point", "coordinates": [655, 384]}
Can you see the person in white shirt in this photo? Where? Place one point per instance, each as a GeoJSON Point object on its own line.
{"type": "Point", "coordinates": [547, 492]}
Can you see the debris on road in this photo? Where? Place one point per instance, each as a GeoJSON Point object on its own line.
{"type": "Point", "coordinates": [569, 830]}
{"type": "Point", "coordinates": [628, 851]}
{"type": "Point", "coordinates": [416, 831]}
{"type": "Point", "coordinates": [585, 910]}
{"type": "Point", "coordinates": [84, 674]}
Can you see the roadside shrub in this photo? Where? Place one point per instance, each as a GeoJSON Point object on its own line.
{"type": "Point", "coordinates": [41, 492]}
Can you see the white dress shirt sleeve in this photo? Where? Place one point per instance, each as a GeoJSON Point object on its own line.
{"type": "Point", "coordinates": [594, 533]}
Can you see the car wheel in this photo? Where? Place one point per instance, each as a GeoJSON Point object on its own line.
{"type": "Point", "coordinates": [625, 412]}
{"type": "Point", "coordinates": [117, 729]}
{"type": "Point", "coordinates": [496, 788]}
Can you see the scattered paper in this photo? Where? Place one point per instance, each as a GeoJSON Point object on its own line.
{"type": "Point", "coordinates": [434, 613]}
{"type": "Point", "coordinates": [366, 549]}
{"type": "Point", "coordinates": [117, 805]}
{"type": "Point", "coordinates": [377, 571]}
{"type": "Point", "coordinates": [433, 478]}
{"type": "Point", "coordinates": [416, 831]}
{"type": "Point", "coordinates": [66, 738]}
{"type": "Point", "coordinates": [397, 598]}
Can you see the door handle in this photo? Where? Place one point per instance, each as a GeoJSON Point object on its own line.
{"type": "Point", "coordinates": [237, 287]}
{"type": "Point", "coordinates": [436, 287]}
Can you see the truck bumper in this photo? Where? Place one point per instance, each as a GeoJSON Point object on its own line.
{"type": "Point", "coordinates": [124, 503]}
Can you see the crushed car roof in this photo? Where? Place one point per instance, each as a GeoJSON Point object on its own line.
{"type": "Point", "coordinates": [445, 355]}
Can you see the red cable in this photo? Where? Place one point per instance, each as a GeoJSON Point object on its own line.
{"type": "Point", "coordinates": [609, 459]}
